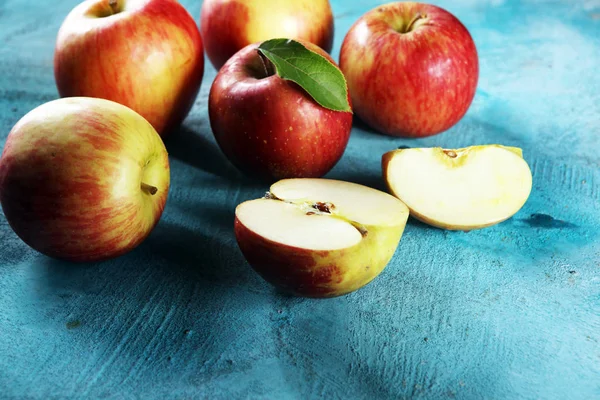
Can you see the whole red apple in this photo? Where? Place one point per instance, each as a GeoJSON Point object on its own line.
{"type": "Point", "coordinates": [412, 69]}
{"type": "Point", "coordinates": [145, 54]}
{"type": "Point", "coordinates": [269, 127]}
{"type": "Point", "coordinates": [230, 25]}
{"type": "Point", "coordinates": [83, 179]}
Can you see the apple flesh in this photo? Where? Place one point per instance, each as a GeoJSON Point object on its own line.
{"type": "Point", "coordinates": [83, 179]}
{"type": "Point", "coordinates": [144, 54]}
{"type": "Point", "coordinates": [230, 25]}
{"type": "Point", "coordinates": [270, 128]}
{"type": "Point", "coordinates": [412, 69]}
{"type": "Point", "coordinates": [320, 237]}
{"type": "Point", "coordinates": [461, 189]}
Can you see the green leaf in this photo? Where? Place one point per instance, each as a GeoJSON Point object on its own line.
{"type": "Point", "coordinates": [321, 79]}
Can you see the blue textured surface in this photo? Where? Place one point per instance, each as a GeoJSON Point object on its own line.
{"type": "Point", "coordinates": [508, 312]}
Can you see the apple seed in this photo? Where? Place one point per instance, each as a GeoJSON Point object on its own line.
{"type": "Point", "coordinates": [324, 207]}
{"type": "Point", "coordinates": [451, 153]}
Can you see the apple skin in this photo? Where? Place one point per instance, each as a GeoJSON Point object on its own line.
{"type": "Point", "coordinates": [319, 274]}
{"type": "Point", "coordinates": [230, 25]}
{"type": "Point", "coordinates": [149, 58]}
{"type": "Point", "coordinates": [412, 84]}
{"type": "Point", "coordinates": [71, 174]}
{"type": "Point", "coordinates": [271, 128]}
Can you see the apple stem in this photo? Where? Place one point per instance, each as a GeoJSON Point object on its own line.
{"type": "Point", "coordinates": [411, 25]}
{"type": "Point", "coordinates": [152, 190]}
{"type": "Point", "coordinates": [267, 65]}
{"type": "Point", "coordinates": [114, 6]}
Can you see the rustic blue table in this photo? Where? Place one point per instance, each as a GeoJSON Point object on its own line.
{"type": "Point", "coordinates": [509, 312]}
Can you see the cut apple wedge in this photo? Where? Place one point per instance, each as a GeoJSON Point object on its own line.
{"type": "Point", "coordinates": [461, 189]}
{"type": "Point", "coordinates": [320, 237]}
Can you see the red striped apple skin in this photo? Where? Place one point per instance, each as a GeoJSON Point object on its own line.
{"type": "Point", "coordinates": [148, 57]}
{"type": "Point", "coordinates": [411, 84]}
{"type": "Point", "coordinates": [270, 128]}
{"type": "Point", "coordinates": [230, 25]}
{"type": "Point", "coordinates": [71, 174]}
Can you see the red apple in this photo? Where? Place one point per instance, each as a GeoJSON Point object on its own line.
{"type": "Point", "coordinates": [412, 69]}
{"type": "Point", "coordinates": [145, 54]}
{"type": "Point", "coordinates": [230, 25]}
{"type": "Point", "coordinates": [83, 179]}
{"type": "Point", "coordinates": [270, 127]}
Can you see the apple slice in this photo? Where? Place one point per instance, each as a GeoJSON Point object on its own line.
{"type": "Point", "coordinates": [320, 237]}
{"type": "Point", "coordinates": [460, 189]}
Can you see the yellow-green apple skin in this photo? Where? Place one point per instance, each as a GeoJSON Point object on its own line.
{"type": "Point", "coordinates": [230, 25]}
{"type": "Point", "coordinates": [459, 189]}
{"type": "Point", "coordinates": [309, 272]}
{"type": "Point", "coordinates": [83, 179]}
{"type": "Point", "coordinates": [144, 54]}
{"type": "Point", "coordinates": [412, 69]}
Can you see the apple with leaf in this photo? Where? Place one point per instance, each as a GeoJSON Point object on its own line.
{"type": "Point", "coordinates": [281, 109]}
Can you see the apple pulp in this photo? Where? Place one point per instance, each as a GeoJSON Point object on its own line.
{"type": "Point", "coordinates": [461, 189]}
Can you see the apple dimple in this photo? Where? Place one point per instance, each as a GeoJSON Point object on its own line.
{"type": "Point", "coordinates": [106, 9]}
{"type": "Point", "coordinates": [418, 20]}
{"type": "Point", "coordinates": [262, 67]}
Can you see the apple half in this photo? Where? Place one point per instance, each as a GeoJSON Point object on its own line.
{"type": "Point", "coordinates": [320, 237]}
{"type": "Point", "coordinates": [462, 189]}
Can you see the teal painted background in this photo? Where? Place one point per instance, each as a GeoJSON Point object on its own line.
{"type": "Point", "coordinates": [509, 312]}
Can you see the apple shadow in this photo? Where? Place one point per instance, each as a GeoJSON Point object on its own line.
{"type": "Point", "coordinates": [197, 256]}
{"type": "Point", "coordinates": [197, 150]}
{"type": "Point", "coordinates": [164, 301]}
{"type": "Point", "coordinates": [217, 216]}
{"type": "Point", "coordinates": [171, 249]}
{"type": "Point", "coordinates": [359, 123]}
{"type": "Point", "coordinates": [415, 223]}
